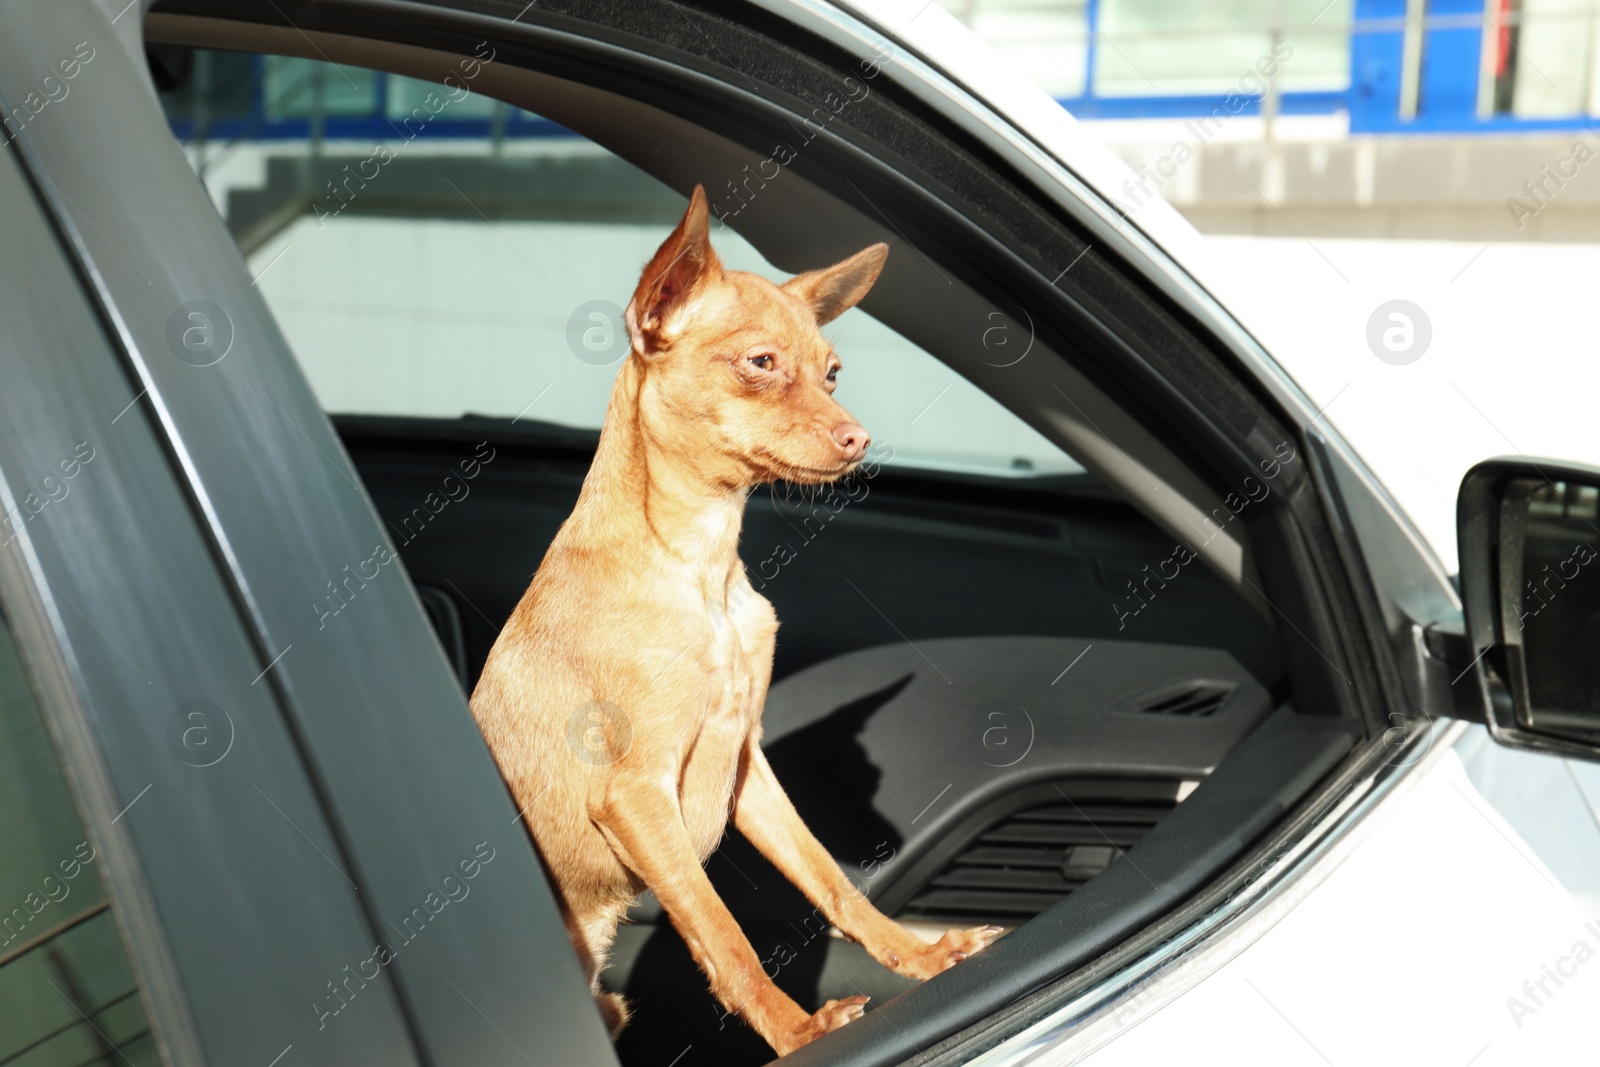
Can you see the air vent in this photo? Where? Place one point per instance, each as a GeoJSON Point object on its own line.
{"type": "Point", "coordinates": [1189, 699]}
{"type": "Point", "coordinates": [1035, 856]}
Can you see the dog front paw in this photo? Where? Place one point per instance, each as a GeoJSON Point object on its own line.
{"type": "Point", "coordinates": [828, 1018]}
{"type": "Point", "coordinates": [949, 950]}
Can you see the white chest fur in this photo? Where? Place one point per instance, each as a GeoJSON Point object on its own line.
{"type": "Point", "coordinates": [739, 633]}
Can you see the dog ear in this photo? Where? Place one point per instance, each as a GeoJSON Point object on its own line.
{"type": "Point", "coordinates": [683, 263]}
{"type": "Point", "coordinates": [832, 291]}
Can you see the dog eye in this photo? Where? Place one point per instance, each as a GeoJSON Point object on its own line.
{"type": "Point", "coordinates": [763, 361]}
{"type": "Point", "coordinates": [833, 374]}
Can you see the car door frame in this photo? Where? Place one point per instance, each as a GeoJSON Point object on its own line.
{"type": "Point", "coordinates": [1341, 615]}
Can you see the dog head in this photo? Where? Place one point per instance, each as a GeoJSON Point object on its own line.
{"type": "Point", "coordinates": [738, 379]}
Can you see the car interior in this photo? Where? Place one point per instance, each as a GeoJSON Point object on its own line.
{"type": "Point", "coordinates": [1047, 661]}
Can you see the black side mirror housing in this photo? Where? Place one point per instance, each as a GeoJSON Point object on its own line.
{"type": "Point", "coordinates": [1529, 539]}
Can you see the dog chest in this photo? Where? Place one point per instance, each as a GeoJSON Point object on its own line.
{"type": "Point", "coordinates": [741, 640]}
{"type": "Point", "coordinates": [738, 656]}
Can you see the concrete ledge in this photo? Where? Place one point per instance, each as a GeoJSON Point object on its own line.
{"type": "Point", "coordinates": [1533, 187]}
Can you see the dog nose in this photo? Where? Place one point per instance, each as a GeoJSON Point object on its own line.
{"type": "Point", "coordinates": [852, 439]}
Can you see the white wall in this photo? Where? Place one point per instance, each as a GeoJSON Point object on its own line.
{"type": "Point", "coordinates": [441, 318]}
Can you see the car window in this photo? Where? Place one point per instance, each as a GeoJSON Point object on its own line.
{"type": "Point", "coordinates": [67, 995]}
{"type": "Point", "coordinates": [431, 252]}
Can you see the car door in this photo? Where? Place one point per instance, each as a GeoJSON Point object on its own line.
{"type": "Point", "coordinates": [286, 880]}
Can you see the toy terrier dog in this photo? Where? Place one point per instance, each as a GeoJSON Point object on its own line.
{"type": "Point", "coordinates": [623, 699]}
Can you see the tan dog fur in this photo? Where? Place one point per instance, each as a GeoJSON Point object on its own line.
{"type": "Point", "coordinates": [623, 698]}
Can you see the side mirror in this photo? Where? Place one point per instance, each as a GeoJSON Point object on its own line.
{"type": "Point", "coordinates": [1529, 538]}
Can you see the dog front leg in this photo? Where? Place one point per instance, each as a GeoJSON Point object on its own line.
{"type": "Point", "coordinates": [765, 815]}
{"type": "Point", "coordinates": [644, 828]}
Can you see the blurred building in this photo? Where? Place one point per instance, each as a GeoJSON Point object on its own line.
{"type": "Point", "coordinates": [1458, 119]}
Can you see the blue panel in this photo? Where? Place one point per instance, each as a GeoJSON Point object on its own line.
{"type": "Point", "coordinates": [1450, 59]}
{"type": "Point", "coordinates": [1375, 65]}
{"type": "Point", "coordinates": [1091, 59]}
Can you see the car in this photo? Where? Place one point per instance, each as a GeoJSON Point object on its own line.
{"type": "Point", "coordinates": [309, 315]}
